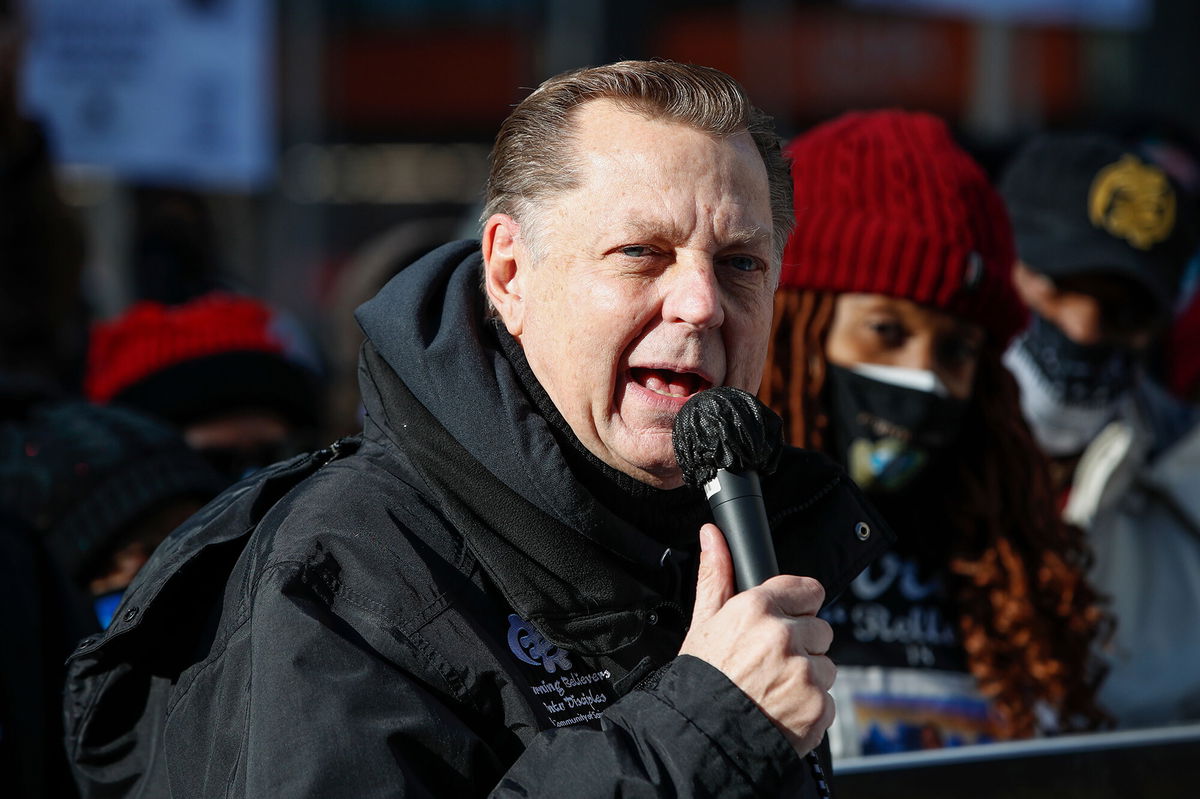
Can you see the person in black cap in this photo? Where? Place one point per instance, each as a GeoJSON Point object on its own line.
{"type": "Point", "coordinates": [1102, 241]}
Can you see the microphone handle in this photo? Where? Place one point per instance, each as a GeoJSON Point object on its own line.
{"type": "Point", "coordinates": [737, 507]}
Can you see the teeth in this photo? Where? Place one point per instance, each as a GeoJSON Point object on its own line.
{"type": "Point", "coordinates": [655, 383]}
{"type": "Point", "coordinates": [675, 385]}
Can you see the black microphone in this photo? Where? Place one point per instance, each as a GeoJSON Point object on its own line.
{"type": "Point", "coordinates": [724, 438]}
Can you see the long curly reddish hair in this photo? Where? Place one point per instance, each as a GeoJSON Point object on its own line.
{"type": "Point", "coordinates": [1028, 617]}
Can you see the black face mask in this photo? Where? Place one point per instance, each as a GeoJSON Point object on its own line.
{"type": "Point", "coordinates": [888, 434]}
{"type": "Point", "coordinates": [1075, 374]}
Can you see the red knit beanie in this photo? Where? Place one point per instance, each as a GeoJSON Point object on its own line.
{"type": "Point", "coordinates": [887, 203]}
{"type": "Point", "coordinates": [218, 353]}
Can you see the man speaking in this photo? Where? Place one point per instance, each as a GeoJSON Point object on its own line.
{"type": "Point", "coordinates": [506, 588]}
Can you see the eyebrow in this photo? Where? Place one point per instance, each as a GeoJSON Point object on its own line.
{"type": "Point", "coordinates": [660, 229]}
{"type": "Point", "coordinates": [748, 235]}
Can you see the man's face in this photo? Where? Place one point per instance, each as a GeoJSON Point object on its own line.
{"type": "Point", "coordinates": [656, 283]}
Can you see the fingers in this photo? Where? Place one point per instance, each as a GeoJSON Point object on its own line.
{"type": "Point", "coordinates": [824, 722]}
{"type": "Point", "coordinates": [810, 635]}
{"type": "Point", "coordinates": [793, 595]}
{"type": "Point", "coordinates": [817, 708]}
{"type": "Point", "coordinates": [714, 585]}
{"type": "Point", "coordinates": [806, 638]}
{"type": "Point", "coordinates": [822, 673]}
{"type": "Point", "coordinates": [767, 641]}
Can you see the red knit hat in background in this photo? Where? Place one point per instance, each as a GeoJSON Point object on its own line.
{"type": "Point", "coordinates": [216, 354]}
{"type": "Point", "coordinates": [887, 203]}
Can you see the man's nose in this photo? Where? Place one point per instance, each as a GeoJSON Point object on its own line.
{"type": "Point", "coordinates": [693, 295]}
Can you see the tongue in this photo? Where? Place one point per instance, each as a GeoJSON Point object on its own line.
{"type": "Point", "coordinates": [667, 382]}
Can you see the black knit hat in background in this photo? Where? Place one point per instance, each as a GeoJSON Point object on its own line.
{"type": "Point", "coordinates": [1082, 203]}
{"type": "Point", "coordinates": [82, 474]}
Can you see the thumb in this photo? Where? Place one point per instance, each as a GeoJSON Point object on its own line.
{"type": "Point", "coordinates": [714, 584]}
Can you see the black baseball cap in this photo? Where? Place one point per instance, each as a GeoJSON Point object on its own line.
{"type": "Point", "coordinates": [1082, 203]}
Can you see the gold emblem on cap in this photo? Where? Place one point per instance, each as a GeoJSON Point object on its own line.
{"type": "Point", "coordinates": [1133, 201]}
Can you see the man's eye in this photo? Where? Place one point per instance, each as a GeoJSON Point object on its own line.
{"type": "Point", "coordinates": [743, 263]}
{"type": "Point", "coordinates": [636, 251]}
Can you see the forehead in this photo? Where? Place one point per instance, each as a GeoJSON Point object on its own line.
{"type": "Point", "coordinates": [651, 168]}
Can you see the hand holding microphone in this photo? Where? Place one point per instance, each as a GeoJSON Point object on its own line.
{"type": "Point", "coordinates": [766, 639]}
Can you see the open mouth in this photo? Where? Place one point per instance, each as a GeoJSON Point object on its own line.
{"type": "Point", "coordinates": [668, 382]}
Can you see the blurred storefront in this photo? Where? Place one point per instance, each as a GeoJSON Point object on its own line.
{"type": "Point", "coordinates": [375, 113]}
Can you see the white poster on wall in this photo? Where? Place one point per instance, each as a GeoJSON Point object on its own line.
{"type": "Point", "coordinates": [167, 91]}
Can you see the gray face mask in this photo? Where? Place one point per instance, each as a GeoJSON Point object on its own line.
{"type": "Point", "coordinates": [1069, 392]}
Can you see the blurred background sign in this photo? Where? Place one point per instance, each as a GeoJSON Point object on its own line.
{"type": "Point", "coordinates": [163, 91]}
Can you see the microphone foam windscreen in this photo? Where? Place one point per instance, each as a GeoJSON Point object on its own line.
{"type": "Point", "coordinates": [725, 428]}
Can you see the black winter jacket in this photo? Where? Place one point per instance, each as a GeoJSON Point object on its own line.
{"type": "Point", "coordinates": [444, 612]}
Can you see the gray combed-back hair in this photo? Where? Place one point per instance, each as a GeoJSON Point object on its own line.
{"type": "Point", "coordinates": [533, 159]}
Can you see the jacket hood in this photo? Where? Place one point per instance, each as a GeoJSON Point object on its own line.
{"type": "Point", "coordinates": [440, 392]}
{"type": "Point", "coordinates": [427, 324]}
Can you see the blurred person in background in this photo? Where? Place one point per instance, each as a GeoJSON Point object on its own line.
{"type": "Point", "coordinates": [103, 486]}
{"type": "Point", "coordinates": [42, 343]}
{"type": "Point", "coordinates": [43, 318]}
{"type": "Point", "coordinates": [175, 252]}
{"type": "Point", "coordinates": [894, 309]}
{"type": "Point", "coordinates": [368, 270]}
{"type": "Point", "coordinates": [1171, 147]}
{"type": "Point", "coordinates": [1102, 241]}
{"type": "Point", "coordinates": [1183, 353]}
{"type": "Point", "coordinates": [238, 378]}
{"type": "Point", "coordinates": [45, 617]}
{"type": "Point", "coordinates": [86, 495]}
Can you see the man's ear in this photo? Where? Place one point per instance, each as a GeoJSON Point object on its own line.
{"type": "Point", "coordinates": [504, 265]}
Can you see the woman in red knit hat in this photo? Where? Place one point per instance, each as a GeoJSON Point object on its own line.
{"type": "Point", "coordinates": [894, 308]}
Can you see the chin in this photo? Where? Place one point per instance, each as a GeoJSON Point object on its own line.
{"type": "Point", "coordinates": [669, 483]}
{"type": "Point", "coordinates": [660, 474]}
{"type": "Point", "coordinates": [647, 456]}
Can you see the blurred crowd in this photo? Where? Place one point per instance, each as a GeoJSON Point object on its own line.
{"type": "Point", "coordinates": [988, 363]}
{"type": "Point", "coordinates": [1009, 368]}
